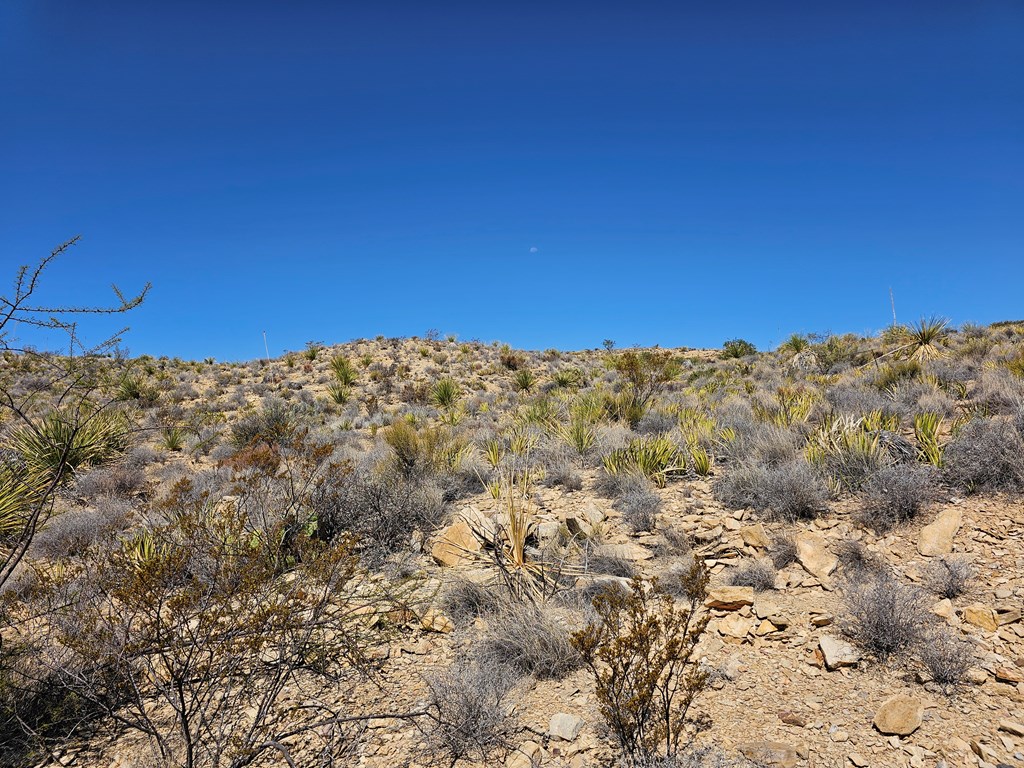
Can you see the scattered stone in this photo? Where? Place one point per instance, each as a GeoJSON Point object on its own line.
{"type": "Point", "coordinates": [812, 553]}
{"type": "Point", "coordinates": [944, 608]}
{"type": "Point", "coordinates": [1008, 675]}
{"type": "Point", "coordinates": [774, 754]}
{"type": "Point", "coordinates": [729, 598]}
{"type": "Point", "coordinates": [858, 760]}
{"type": "Point", "coordinates": [527, 755]}
{"type": "Point", "coordinates": [565, 726]}
{"type": "Point", "coordinates": [755, 536]}
{"type": "Point", "coordinates": [792, 718]}
{"type": "Point", "coordinates": [1009, 726]}
{"type": "Point", "coordinates": [734, 625]}
{"type": "Point", "coordinates": [936, 538]}
{"type": "Point", "coordinates": [981, 616]}
{"type": "Point", "coordinates": [899, 715]}
{"type": "Point", "coordinates": [838, 653]}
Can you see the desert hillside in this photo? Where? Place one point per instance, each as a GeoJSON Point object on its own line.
{"type": "Point", "coordinates": [431, 551]}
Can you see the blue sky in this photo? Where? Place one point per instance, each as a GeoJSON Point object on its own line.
{"type": "Point", "coordinates": [547, 174]}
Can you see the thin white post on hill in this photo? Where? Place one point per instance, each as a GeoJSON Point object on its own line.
{"type": "Point", "coordinates": [893, 302]}
{"type": "Point", "coordinates": [265, 347]}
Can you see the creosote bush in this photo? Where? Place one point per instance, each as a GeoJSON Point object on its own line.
{"type": "Point", "coordinates": [950, 577]}
{"type": "Point", "coordinates": [757, 574]}
{"type": "Point", "coordinates": [986, 455]}
{"type": "Point", "coordinates": [640, 651]}
{"type": "Point", "coordinates": [791, 491]}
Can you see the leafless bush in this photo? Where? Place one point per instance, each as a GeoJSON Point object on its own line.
{"type": "Point", "coordinates": [603, 561]}
{"type": "Point", "coordinates": [882, 615]}
{"type": "Point", "coordinates": [946, 656]}
{"type": "Point", "coordinates": [695, 757]}
{"type": "Point", "coordinates": [529, 640]}
{"type": "Point", "coordinates": [470, 709]}
{"type": "Point", "coordinates": [987, 455]}
{"type": "Point", "coordinates": [792, 491]}
{"type": "Point", "coordinates": [896, 494]}
{"type": "Point", "coordinates": [855, 560]}
{"type": "Point", "coordinates": [121, 481]}
{"type": "Point", "coordinates": [782, 551]}
{"type": "Point", "coordinates": [950, 577]}
{"type": "Point", "coordinates": [639, 506]}
{"type": "Point", "coordinates": [757, 574]}
{"type": "Point", "coordinates": [76, 530]}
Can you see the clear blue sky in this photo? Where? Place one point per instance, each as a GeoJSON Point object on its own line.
{"type": "Point", "coordinates": [544, 173]}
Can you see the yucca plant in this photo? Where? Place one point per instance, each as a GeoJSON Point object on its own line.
{"type": "Point", "coordinates": [845, 451]}
{"type": "Point", "coordinates": [578, 435]}
{"type": "Point", "coordinates": [344, 372]}
{"type": "Point", "coordinates": [926, 430]}
{"type": "Point", "coordinates": [339, 393]}
{"type": "Point", "coordinates": [568, 378]}
{"type": "Point", "coordinates": [523, 380]}
{"type": "Point", "coordinates": [445, 393]}
{"type": "Point", "coordinates": [656, 458]}
{"type": "Point", "coordinates": [493, 452]}
{"type": "Point", "coordinates": [69, 440]}
{"type": "Point", "coordinates": [173, 438]}
{"type": "Point", "coordinates": [20, 491]}
{"type": "Point", "coordinates": [795, 343]}
{"type": "Point", "coordinates": [925, 338]}
{"type": "Point", "coordinates": [700, 460]}
{"type": "Point", "coordinates": [792, 406]}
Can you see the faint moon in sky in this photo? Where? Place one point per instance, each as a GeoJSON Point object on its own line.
{"type": "Point", "coordinates": [533, 249]}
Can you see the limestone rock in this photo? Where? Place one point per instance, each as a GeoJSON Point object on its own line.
{"type": "Point", "coordinates": [755, 536]}
{"type": "Point", "coordinates": [838, 653]}
{"type": "Point", "coordinates": [729, 598]}
{"type": "Point", "coordinates": [735, 625]}
{"type": "Point", "coordinates": [456, 545]}
{"type": "Point", "coordinates": [632, 552]}
{"type": "Point", "coordinates": [775, 754]}
{"type": "Point", "coordinates": [937, 537]}
{"type": "Point", "coordinates": [899, 715]}
{"type": "Point", "coordinates": [981, 616]}
{"type": "Point", "coordinates": [812, 553]}
{"type": "Point", "coordinates": [565, 726]}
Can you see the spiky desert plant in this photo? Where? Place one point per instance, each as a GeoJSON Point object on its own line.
{"type": "Point", "coordinates": [926, 336]}
{"type": "Point", "coordinates": [578, 435]}
{"type": "Point", "coordinates": [926, 430]}
{"type": "Point", "coordinates": [523, 380]}
{"type": "Point", "coordinates": [343, 370]}
{"type": "Point", "coordinates": [445, 393]}
{"type": "Point", "coordinates": [66, 439]}
{"type": "Point", "coordinates": [700, 460]}
{"type": "Point", "coordinates": [339, 393]}
{"type": "Point", "coordinates": [795, 343]}
{"type": "Point", "coordinates": [656, 458]}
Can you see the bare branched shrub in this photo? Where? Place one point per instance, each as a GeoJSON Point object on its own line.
{"type": "Point", "coordinates": [855, 560]}
{"type": "Point", "coordinates": [946, 656]}
{"type": "Point", "coordinates": [757, 574]}
{"type": "Point", "coordinates": [950, 577]}
{"type": "Point", "coordinates": [530, 640]}
{"type": "Point", "coordinates": [987, 455]}
{"type": "Point", "coordinates": [641, 654]}
{"type": "Point", "coordinates": [469, 704]}
{"type": "Point", "coordinates": [605, 562]}
{"type": "Point", "coordinates": [639, 505]}
{"type": "Point", "coordinates": [792, 491]}
{"type": "Point", "coordinates": [883, 616]}
{"type": "Point", "coordinates": [893, 495]}
{"type": "Point", "coordinates": [782, 551]}
{"type": "Point", "coordinates": [119, 481]}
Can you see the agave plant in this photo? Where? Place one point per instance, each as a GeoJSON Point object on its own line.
{"type": "Point", "coordinates": [926, 430]}
{"type": "Point", "coordinates": [523, 380]}
{"type": "Point", "coordinates": [656, 458]}
{"type": "Point", "coordinates": [71, 440]}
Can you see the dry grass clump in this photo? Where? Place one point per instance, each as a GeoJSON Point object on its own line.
{"type": "Point", "coordinates": [883, 616]}
{"type": "Point", "coordinates": [946, 656]}
{"type": "Point", "coordinates": [757, 574]}
{"type": "Point", "coordinates": [987, 455]}
{"type": "Point", "coordinates": [792, 491]}
{"type": "Point", "coordinates": [463, 600]}
{"type": "Point", "coordinates": [529, 640]}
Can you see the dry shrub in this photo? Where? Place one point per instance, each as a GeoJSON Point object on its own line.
{"type": "Point", "coordinates": [946, 656]}
{"type": "Point", "coordinates": [987, 455]}
{"type": "Point", "coordinates": [530, 640]}
{"type": "Point", "coordinates": [463, 601]}
{"type": "Point", "coordinates": [792, 491]}
{"type": "Point", "coordinates": [883, 616]}
{"type": "Point", "coordinates": [950, 577]}
{"type": "Point", "coordinates": [757, 574]}
{"type": "Point", "coordinates": [894, 495]}
{"type": "Point", "coordinates": [470, 709]}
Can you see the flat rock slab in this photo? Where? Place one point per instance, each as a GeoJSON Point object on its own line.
{"type": "Point", "coordinates": [456, 545]}
{"type": "Point", "coordinates": [729, 598]}
{"type": "Point", "coordinates": [981, 616]}
{"type": "Point", "coordinates": [565, 726]}
{"type": "Point", "coordinates": [838, 653]}
{"type": "Point", "coordinates": [775, 754]}
{"type": "Point", "coordinates": [937, 537]}
{"type": "Point", "coordinates": [899, 716]}
{"type": "Point", "coordinates": [813, 554]}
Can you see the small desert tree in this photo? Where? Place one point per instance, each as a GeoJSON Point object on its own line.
{"type": "Point", "coordinates": [646, 372]}
{"type": "Point", "coordinates": [640, 651]}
